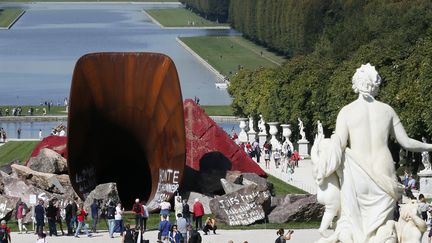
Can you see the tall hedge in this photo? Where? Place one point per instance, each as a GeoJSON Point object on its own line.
{"type": "Point", "coordinates": [216, 10]}
{"type": "Point", "coordinates": [290, 27]}
{"type": "Point", "coordinates": [393, 35]}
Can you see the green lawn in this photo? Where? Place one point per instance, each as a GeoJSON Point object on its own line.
{"type": "Point", "coordinates": [282, 188]}
{"type": "Point", "coordinates": [8, 16]}
{"type": "Point", "coordinates": [228, 54]}
{"type": "Point", "coordinates": [38, 110]}
{"type": "Point", "coordinates": [180, 17]}
{"type": "Point", "coordinates": [218, 110]}
{"type": "Point", "coordinates": [13, 150]}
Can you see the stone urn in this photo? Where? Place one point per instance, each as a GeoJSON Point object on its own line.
{"type": "Point", "coordinates": [273, 131]}
{"type": "Point", "coordinates": [243, 137]}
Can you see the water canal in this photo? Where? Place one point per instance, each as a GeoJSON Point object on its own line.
{"type": "Point", "coordinates": [39, 52]}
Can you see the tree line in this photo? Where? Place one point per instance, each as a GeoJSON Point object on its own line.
{"type": "Point", "coordinates": [315, 83]}
{"type": "Point", "coordinates": [215, 10]}
{"type": "Point", "coordinates": [325, 42]}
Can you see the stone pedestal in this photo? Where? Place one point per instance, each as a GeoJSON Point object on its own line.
{"type": "Point", "coordinates": [252, 136]}
{"type": "Point", "coordinates": [303, 148]}
{"type": "Point", "coordinates": [262, 138]}
{"type": "Point", "coordinates": [243, 137]}
{"type": "Point", "coordinates": [425, 183]}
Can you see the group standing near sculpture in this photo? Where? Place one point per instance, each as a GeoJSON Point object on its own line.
{"type": "Point", "coordinates": [355, 170]}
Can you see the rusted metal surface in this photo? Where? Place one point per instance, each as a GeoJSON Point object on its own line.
{"type": "Point", "coordinates": [126, 126]}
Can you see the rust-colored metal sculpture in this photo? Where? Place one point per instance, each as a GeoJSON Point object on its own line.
{"type": "Point", "coordinates": [126, 126]}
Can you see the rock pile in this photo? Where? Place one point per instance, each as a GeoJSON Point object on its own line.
{"type": "Point", "coordinates": [249, 198]}
{"type": "Point", "coordinates": [44, 178]}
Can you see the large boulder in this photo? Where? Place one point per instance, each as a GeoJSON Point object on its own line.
{"type": "Point", "coordinates": [104, 194]}
{"type": "Point", "coordinates": [45, 181]}
{"type": "Point", "coordinates": [205, 200]}
{"type": "Point", "coordinates": [234, 176]}
{"type": "Point", "coordinates": [242, 207]}
{"type": "Point", "coordinates": [6, 168]}
{"type": "Point", "coordinates": [29, 194]}
{"type": "Point", "coordinates": [229, 186]}
{"type": "Point", "coordinates": [48, 161]}
{"type": "Point", "coordinates": [7, 206]}
{"type": "Point", "coordinates": [251, 178]}
{"type": "Point", "coordinates": [295, 209]}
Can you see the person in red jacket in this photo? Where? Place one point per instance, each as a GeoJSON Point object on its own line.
{"type": "Point", "coordinates": [198, 211]}
{"type": "Point", "coordinates": [81, 215]}
{"type": "Point", "coordinates": [137, 208]}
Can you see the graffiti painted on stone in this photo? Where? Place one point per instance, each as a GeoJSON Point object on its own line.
{"type": "Point", "coordinates": [85, 180]}
{"type": "Point", "coordinates": [240, 208]}
{"type": "Point", "coordinates": [168, 184]}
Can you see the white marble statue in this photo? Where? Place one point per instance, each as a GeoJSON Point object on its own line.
{"type": "Point", "coordinates": [320, 129]}
{"type": "Point", "coordinates": [251, 125]}
{"type": "Point", "coordinates": [426, 160]}
{"type": "Point", "coordinates": [301, 129]}
{"type": "Point", "coordinates": [362, 176]}
{"type": "Point", "coordinates": [261, 125]}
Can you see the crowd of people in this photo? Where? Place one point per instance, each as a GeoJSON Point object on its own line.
{"type": "Point", "coordinates": [284, 158]}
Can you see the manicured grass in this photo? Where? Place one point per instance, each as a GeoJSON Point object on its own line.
{"type": "Point", "coordinates": [218, 110]}
{"type": "Point", "coordinates": [282, 188]}
{"type": "Point", "coordinates": [229, 54]}
{"type": "Point", "coordinates": [180, 17]}
{"type": "Point", "coordinates": [38, 110]}
{"type": "Point", "coordinates": [8, 16]}
{"type": "Point", "coordinates": [13, 150]}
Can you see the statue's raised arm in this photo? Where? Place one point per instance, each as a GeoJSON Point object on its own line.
{"type": "Point", "coordinates": [406, 142]}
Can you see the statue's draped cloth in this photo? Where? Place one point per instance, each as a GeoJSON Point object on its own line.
{"type": "Point", "coordinates": [367, 199]}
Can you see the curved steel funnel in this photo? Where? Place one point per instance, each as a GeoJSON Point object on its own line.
{"type": "Point", "coordinates": [126, 126]}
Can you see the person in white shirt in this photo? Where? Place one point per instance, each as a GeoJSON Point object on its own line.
{"type": "Point", "coordinates": [118, 217]}
{"type": "Point", "coordinates": [40, 134]}
{"type": "Point", "coordinates": [165, 207]}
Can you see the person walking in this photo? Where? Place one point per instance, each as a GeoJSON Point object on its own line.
{"type": "Point", "coordinates": [74, 221]}
{"type": "Point", "coordinates": [110, 215]}
{"type": "Point", "coordinates": [21, 213]}
{"type": "Point", "coordinates": [118, 227]}
{"type": "Point", "coordinates": [68, 218]}
{"type": "Point", "coordinates": [51, 213]}
{"type": "Point", "coordinates": [81, 215]}
{"type": "Point", "coordinates": [5, 233]}
{"type": "Point", "coordinates": [59, 215]}
{"type": "Point", "coordinates": [198, 210]}
{"type": "Point", "coordinates": [165, 207]}
{"type": "Point", "coordinates": [137, 208]}
{"type": "Point", "coordinates": [181, 225]}
{"type": "Point", "coordinates": [164, 228]}
{"type": "Point", "coordinates": [40, 216]}
{"type": "Point", "coordinates": [145, 215]}
{"type": "Point", "coordinates": [186, 211]}
{"type": "Point", "coordinates": [95, 214]}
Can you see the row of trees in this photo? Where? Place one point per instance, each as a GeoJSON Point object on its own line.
{"type": "Point", "coordinates": [326, 40]}
{"type": "Point", "coordinates": [215, 10]}
{"type": "Point", "coordinates": [315, 83]}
